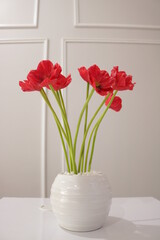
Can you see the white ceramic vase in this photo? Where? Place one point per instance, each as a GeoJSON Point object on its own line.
{"type": "Point", "coordinates": [81, 202]}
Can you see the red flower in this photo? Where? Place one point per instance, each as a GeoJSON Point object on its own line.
{"type": "Point", "coordinates": [116, 105]}
{"type": "Point", "coordinates": [46, 74]}
{"type": "Point", "coordinates": [99, 79]}
{"type": "Point", "coordinates": [60, 82]}
{"type": "Point", "coordinates": [28, 86]}
{"type": "Point", "coordinates": [122, 81]}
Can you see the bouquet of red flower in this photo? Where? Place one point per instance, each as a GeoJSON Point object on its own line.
{"type": "Point", "coordinates": [49, 75]}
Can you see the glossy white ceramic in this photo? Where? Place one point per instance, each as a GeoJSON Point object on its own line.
{"type": "Point", "coordinates": [81, 202]}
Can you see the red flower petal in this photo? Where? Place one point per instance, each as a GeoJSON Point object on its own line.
{"type": "Point", "coordinates": [116, 105]}
{"type": "Point", "coordinates": [121, 80]}
{"type": "Point", "coordinates": [45, 68]}
{"type": "Point", "coordinates": [61, 82]}
{"type": "Point", "coordinates": [99, 79]}
{"type": "Point", "coordinates": [34, 76]}
{"type": "Point", "coordinates": [27, 86]}
{"type": "Point", "coordinates": [84, 74]}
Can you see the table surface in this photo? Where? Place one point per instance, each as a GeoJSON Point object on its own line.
{"type": "Point", "coordinates": [32, 219]}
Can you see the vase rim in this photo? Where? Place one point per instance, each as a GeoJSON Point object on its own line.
{"type": "Point", "coordinates": [91, 173]}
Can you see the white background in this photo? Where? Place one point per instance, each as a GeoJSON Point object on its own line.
{"type": "Point", "coordinates": [76, 33]}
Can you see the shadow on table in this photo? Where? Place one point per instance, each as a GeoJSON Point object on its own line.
{"type": "Point", "coordinates": [120, 229]}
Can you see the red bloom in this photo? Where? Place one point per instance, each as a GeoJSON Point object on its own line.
{"type": "Point", "coordinates": [116, 105]}
{"type": "Point", "coordinates": [46, 74]}
{"type": "Point", "coordinates": [99, 79]}
{"type": "Point", "coordinates": [84, 74]}
{"type": "Point", "coordinates": [60, 82]}
{"type": "Point", "coordinates": [122, 81]}
{"type": "Point", "coordinates": [28, 86]}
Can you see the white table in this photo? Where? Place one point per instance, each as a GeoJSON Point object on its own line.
{"type": "Point", "coordinates": [31, 219]}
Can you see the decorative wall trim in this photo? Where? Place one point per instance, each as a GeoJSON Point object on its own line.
{"type": "Point", "coordinates": [44, 134]}
{"type": "Point", "coordinates": [78, 24]}
{"type": "Point", "coordinates": [26, 25]}
{"type": "Point", "coordinates": [65, 41]}
{"type": "Point", "coordinates": [43, 112]}
{"type": "Point", "coordinates": [24, 40]}
{"type": "Point", "coordinates": [64, 94]}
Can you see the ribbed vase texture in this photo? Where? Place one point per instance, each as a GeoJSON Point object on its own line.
{"type": "Point", "coordinates": [81, 202]}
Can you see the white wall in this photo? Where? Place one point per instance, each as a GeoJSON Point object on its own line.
{"type": "Point", "coordinates": [76, 33]}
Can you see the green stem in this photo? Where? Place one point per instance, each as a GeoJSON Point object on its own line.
{"type": "Point", "coordinates": [92, 150]}
{"type": "Point", "coordinates": [59, 129]}
{"type": "Point", "coordinates": [67, 128]}
{"type": "Point", "coordinates": [65, 114]}
{"type": "Point", "coordinates": [85, 127]}
{"type": "Point", "coordinates": [87, 152]}
{"type": "Point", "coordinates": [53, 112]}
{"type": "Point", "coordinates": [62, 108]}
{"type": "Point", "coordinates": [62, 101]}
{"type": "Point", "coordinates": [84, 138]}
{"type": "Point", "coordinates": [96, 127]}
{"type": "Point", "coordinates": [79, 121]}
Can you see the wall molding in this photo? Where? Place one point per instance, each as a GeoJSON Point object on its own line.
{"type": "Point", "coordinates": [26, 25]}
{"type": "Point", "coordinates": [24, 40]}
{"type": "Point", "coordinates": [64, 94]}
{"type": "Point", "coordinates": [65, 41]}
{"type": "Point", "coordinates": [78, 24]}
{"type": "Point", "coordinates": [43, 111]}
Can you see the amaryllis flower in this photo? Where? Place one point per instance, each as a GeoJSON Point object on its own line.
{"type": "Point", "coordinates": [116, 105]}
{"type": "Point", "coordinates": [99, 79]}
{"type": "Point", "coordinates": [60, 82]}
{"type": "Point", "coordinates": [28, 86]}
{"type": "Point", "coordinates": [46, 74]}
{"type": "Point", "coordinates": [122, 81]}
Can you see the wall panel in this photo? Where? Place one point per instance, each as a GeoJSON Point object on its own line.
{"type": "Point", "coordinates": [22, 121]}
{"type": "Point", "coordinates": [116, 13]}
{"type": "Point", "coordinates": [18, 13]}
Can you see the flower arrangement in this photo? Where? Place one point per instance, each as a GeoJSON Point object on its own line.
{"type": "Point", "coordinates": [48, 75]}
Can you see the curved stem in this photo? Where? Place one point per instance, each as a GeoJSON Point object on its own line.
{"type": "Point", "coordinates": [79, 121]}
{"type": "Point", "coordinates": [93, 144]}
{"type": "Point", "coordinates": [64, 149]}
{"type": "Point", "coordinates": [67, 128]}
{"type": "Point", "coordinates": [85, 126]}
{"type": "Point", "coordinates": [84, 138]}
{"type": "Point", "coordinates": [62, 101]}
{"type": "Point", "coordinates": [59, 128]}
{"type": "Point", "coordinates": [87, 152]}
{"type": "Point", "coordinates": [60, 97]}
{"type": "Point", "coordinates": [53, 112]}
{"type": "Point", "coordinates": [96, 127]}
